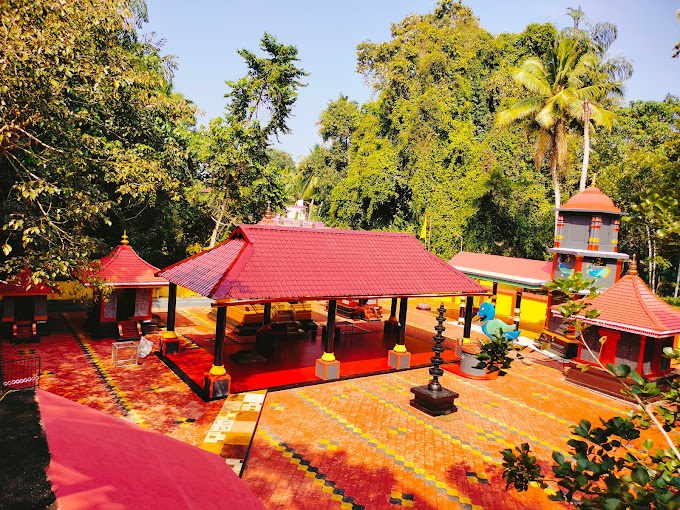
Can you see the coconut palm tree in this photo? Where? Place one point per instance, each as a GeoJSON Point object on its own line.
{"type": "Point", "coordinates": [559, 95]}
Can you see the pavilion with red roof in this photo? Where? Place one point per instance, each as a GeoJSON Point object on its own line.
{"type": "Point", "coordinates": [24, 308]}
{"type": "Point", "coordinates": [272, 263]}
{"type": "Point", "coordinates": [637, 325]}
{"type": "Point", "coordinates": [132, 280]}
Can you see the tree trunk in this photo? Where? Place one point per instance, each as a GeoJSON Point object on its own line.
{"type": "Point", "coordinates": [677, 282]}
{"type": "Point", "coordinates": [556, 184]}
{"type": "Point", "coordinates": [649, 252]}
{"type": "Point", "coordinates": [218, 221]}
{"type": "Point", "coordinates": [654, 266]}
{"type": "Point", "coordinates": [586, 147]}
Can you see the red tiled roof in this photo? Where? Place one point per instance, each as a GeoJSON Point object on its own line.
{"type": "Point", "coordinates": [592, 199]}
{"type": "Point", "coordinates": [267, 262]}
{"type": "Point", "coordinates": [526, 272]}
{"type": "Point", "coordinates": [21, 285]}
{"type": "Point", "coordinates": [124, 268]}
{"type": "Point", "coordinates": [629, 305]}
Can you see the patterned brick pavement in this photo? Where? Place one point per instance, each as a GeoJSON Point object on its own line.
{"type": "Point", "coordinates": [348, 444]}
{"type": "Point", "coordinates": [358, 443]}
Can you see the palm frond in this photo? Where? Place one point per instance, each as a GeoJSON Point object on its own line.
{"type": "Point", "coordinates": [532, 78]}
{"type": "Point", "coordinates": [541, 146]}
{"type": "Point", "coordinates": [601, 117]}
{"type": "Point", "coordinates": [599, 90]}
{"type": "Point", "coordinates": [560, 142]}
{"type": "Point", "coordinates": [520, 110]}
{"type": "Point", "coordinates": [548, 115]}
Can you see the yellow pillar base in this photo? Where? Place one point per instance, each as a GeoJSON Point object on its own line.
{"type": "Point", "coordinates": [218, 370]}
{"type": "Point", "coordinates": [328, 356]}
{"type": "Point", "coordinates": [170, 335]}
{"type": "Point", "coordinates": [399, 348]}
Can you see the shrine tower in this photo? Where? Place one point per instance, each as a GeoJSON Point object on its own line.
{"type": "Point", "coordinates": [586, 239]}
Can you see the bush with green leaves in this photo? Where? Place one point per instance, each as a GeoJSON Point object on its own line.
{"type": "Point", "coordinates": [607, 470]}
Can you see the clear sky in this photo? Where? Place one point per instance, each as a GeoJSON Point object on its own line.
{"type": "Point", "coordinates": [205, 35]}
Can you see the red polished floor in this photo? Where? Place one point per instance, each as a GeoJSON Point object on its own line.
{"type": "Point", "coordinates": [292, 361]}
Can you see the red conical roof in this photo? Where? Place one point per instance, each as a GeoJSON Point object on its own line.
{"type": "Point", "coordinates": [629, 305]}
{"type": "Point", "coordinates": [124, 268]}
{"type": "Point", "coordinates": [592, 199]}
{"type": "Point", "coordinates": [22, 285]}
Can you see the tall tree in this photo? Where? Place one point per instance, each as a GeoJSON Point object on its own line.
{"type": "Point", "coordinates": [604, 75]}
{"type": "Point", "coordinates": [422, 146]}
{"type": "Point", "coordinates": [88, 127]}
{"type": "Point", "coordinates": [559, 95]}
{"type": "Point", "coordinates": [236, 154]}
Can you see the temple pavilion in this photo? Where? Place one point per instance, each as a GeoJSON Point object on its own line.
{"type": "Point", "coordinates": [271, 263]}
{"type": "Point", "coordinates": [24, 308]}
{"type": "Point", "coordinates": [637, 326]}
{"type": "Point", "coordinates": [131, 281]}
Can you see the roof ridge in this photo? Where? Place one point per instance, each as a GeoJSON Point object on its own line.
{"type": "Point", "coordinates": [640, 299]}
{"type": "Point", "coordinates": [656, 298]}
{"type": "Point", "coordinates": [326, 230]}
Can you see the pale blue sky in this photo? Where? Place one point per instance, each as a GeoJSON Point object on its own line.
{"type": "Point", "coordinates": [205, 35]}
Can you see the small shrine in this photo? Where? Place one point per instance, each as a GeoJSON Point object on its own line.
{"type": "Point", "coordinates": [636, 324]}
{"type": "Point", "coordinates": [296, 216]}
{"type": "Point", "coordinates": [125, 312]}
{"type": "Point", "coordinates": [586, 241]}
{"type": "Point", "coordinates": [24, 308]}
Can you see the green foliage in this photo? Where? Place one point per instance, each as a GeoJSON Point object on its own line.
{"type": "Point", "coordinates": [641, 157]}
{"type": "Point", "coordinates": [235, 151]}
{"type": "Point", "coordinates": [520, 470]}
{"type": "Point", "coordinates": [424, 145]}
{"type": "Point", "coordinates": [88, 130]}
{"type": "Point", "coordinates": [605, 470]}
{"type": "Point", "coordinates": [495, 355]}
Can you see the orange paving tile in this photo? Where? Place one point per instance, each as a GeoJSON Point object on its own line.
{"type": "Point", "coordinates": [373, 448]}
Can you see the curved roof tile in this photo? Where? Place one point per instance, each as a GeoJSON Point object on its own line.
{"type": "Point", "coordinates": [271, 262]}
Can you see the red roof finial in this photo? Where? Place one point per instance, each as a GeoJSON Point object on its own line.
{"type": "Point", "coordinates": [124, 238]}
{"type": "Point", "coordinates": [594, 183]}
{"type": "Point", "coordinates": [632, 267]}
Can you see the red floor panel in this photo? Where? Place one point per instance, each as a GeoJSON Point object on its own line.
{"type": "Point", "coordinates": [295, 363]}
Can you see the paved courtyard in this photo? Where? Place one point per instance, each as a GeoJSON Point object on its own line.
{"type": "Point", "coordinates": [346, 444]}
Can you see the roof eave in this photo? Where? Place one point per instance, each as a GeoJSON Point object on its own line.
{"type": "Point", "coordinates": [224, 302]}
{"type": "Point", "coordinates": [527, 283]}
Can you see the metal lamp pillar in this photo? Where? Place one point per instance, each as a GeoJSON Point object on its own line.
{"type": "Point", "coordinates": [432, 398]}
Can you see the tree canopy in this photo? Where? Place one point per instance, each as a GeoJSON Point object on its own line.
{"type": "Point", "coordinates": [88, 128]}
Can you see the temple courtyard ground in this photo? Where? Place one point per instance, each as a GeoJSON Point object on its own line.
{"type": "Point", "coordinates": [352, 443]}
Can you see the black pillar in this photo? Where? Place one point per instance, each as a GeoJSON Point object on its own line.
{"type": "Point", "coordinates": [267, 314]}
{"type": "Point", "coordinates": [330, 326]}
{"type": "Point", "coordinates": [467, 328]}
{"type": "Point", "coordinates": [172, 307]}
{"type": "Point", "coordinates": [518, 302]}
{"type": "Point", "coordinates": [494, 292]}
{"type": "Point", "coordinates": [402, 321]}
{"type": "Point", "coordinates": [393, 309]}
{"type": "Point", "coordinates": [219, 336]}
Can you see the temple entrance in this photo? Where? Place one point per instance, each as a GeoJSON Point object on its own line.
{"type": "Point", "coordinates": [126, 304]}
{"type": "Point", "coordinates": [23, 308]}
